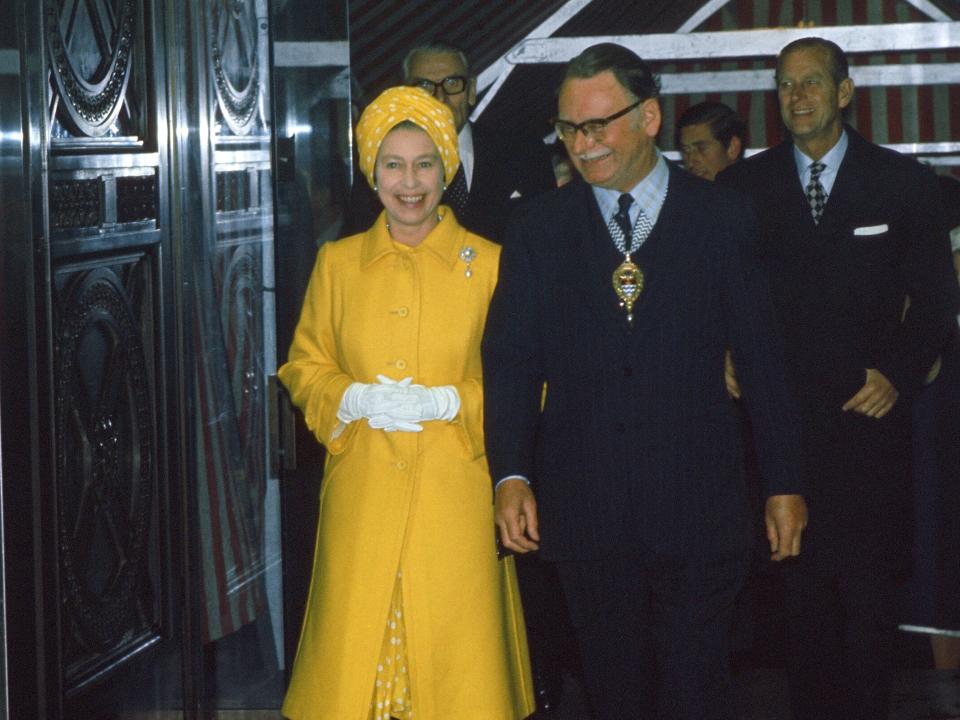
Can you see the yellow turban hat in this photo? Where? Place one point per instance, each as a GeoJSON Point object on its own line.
{"type": "Point", "coordinates": [391, 108]}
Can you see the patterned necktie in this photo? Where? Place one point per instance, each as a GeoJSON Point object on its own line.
{"type": "Point", "coordinates": [816, 195]}
{"type": "Point", "coordinates": [456, 194]}
{"type": "Point", "coordinates": [622, 215]}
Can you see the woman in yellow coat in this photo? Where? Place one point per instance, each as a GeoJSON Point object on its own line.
{"type": "Point", "coordinates": [410, 614]}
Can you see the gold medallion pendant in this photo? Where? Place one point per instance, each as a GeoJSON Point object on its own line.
{"type": "Point", "coordinates": [628, 284]}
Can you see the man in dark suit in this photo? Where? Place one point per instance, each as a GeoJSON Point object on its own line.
{"type": "Point", "coordinates": [853, 244]}
{"type": "Point", "coordinates": [633, 450]}
{"type": "Point", "coordinates": [496, 173]}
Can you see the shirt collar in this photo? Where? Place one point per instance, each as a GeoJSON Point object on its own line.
{"type": "Point", "coordinates": [445, 241]}
{"type": "Point", "coordinates": [831, 160]}
{"type": "Point", "coordinates": [649, 194]}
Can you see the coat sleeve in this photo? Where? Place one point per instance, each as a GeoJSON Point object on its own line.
{"type": "Point", "coordinates": [469, 420]}
{"type": "Point", "coordinates": [512, 360]}
{"type": "Point", "coordinates": [312, 375]}
{"type": "Point", "coordinates": [930, 286]}
{"type": "Point", "coordinates": [758, 355]}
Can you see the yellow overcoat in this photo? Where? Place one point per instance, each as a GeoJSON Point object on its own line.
{"type": "Point", "coordinates": [419, 503]}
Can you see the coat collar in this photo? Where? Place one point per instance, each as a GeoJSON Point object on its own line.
{"type": "Point", "coordinates": [445, 241]}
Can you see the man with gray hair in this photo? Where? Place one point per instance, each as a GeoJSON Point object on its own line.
{"type": "Point", "coordinates": [854, 244]}
{"type": "Point", "coordinates": [620, 293]}
{"type": "Point", "coordinates": [494, 170]}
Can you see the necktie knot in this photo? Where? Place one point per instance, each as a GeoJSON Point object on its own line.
{"type": "Point", "coordinates": [623, 214]}
{"type": "Point", "coordinates": [816, 169]}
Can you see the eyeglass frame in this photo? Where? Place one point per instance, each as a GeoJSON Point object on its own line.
{"type": "Point", "coordinates": [421, 82]}
{"type": "Point", "coordinates": [599, 128]}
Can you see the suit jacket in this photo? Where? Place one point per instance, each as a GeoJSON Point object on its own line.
{"type": "Point", "coordinates": [637, 447]}
{"type": "Point", "coordinates": [839, 290]}
{"type": "Point", "coordinates": [506, 172]}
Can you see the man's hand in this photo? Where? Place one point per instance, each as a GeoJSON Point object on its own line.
{"type": "Point", "coordinates": [876, 398]}
{"type": "Point", "coordinates": [515, 511]}
{"type": "Point", "coordinates": [785, 517]}
{"type": "Point", "coordinates": [730, 375]}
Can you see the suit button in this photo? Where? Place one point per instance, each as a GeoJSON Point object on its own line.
{"type": "Point", "coordinates": [401, 364]}
{"type": "Point", "coordinates": [620, 428]}
{"type": "Point", "coordinates": [628, 371]}
{"type": "Point", "coordinates": [403, 312]}
{"type": "Point", "coordinates": [402, 465]}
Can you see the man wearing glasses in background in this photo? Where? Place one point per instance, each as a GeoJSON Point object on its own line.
{"type": "Point", "coordinates": [495, 171]}
{"type": "Point", "coordinates": [621, 292]}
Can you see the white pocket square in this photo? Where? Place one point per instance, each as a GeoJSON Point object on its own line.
{"type": "Point", "coordinates": [871, 229]}
{"type": "Point", "coordinates": [515, 195]}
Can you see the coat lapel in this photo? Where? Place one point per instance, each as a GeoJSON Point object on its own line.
{"type": "Point", "coordinates": [846, 191]}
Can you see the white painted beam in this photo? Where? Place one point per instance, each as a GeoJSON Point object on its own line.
{"type": "Point", "coordinates": [895, 37]}
{"type": "Point", "coordinates": [702, 15]}
{"type": "Point", "coordinates": [941, 153]}
{"type": "Point", "coordinates": [930, 10]}
{"type": "Point", "coordinates": [545, 29]}
{"type": "Point", "coordinates": [863, 76]}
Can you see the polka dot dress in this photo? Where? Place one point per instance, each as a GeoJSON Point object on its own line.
{"type": "Point", "coordinates": [391, 692]}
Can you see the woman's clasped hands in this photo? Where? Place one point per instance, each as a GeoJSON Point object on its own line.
{"type": "Point", "coordinates": [398, 405]}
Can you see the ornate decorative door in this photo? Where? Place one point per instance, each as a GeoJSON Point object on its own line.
{"type": "Point", "coordinates": [110, 515]}
{"type": "Point", "coordinates": [141, 524]}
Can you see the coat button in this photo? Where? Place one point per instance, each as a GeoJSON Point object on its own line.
{"type": "Point", "coordinates": [401, 465]}
{"type": "Point", "coordinates": [628, 371]}
{"type": "Point", "coordinates": [403, 312]}
{"type": "Point", "coordinates": [620, 428]}
{"type": "Point", "coordinates": [401, 364]}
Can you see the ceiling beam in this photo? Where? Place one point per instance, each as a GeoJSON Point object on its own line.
{"type": "Point", "coordinates": [762, 79]}
{"type": "Point", "coordinates": [728, 44]}
{"type": "Point", "coordinates": [544, 30]}
{"type": "Point", "coordinates": [930, 10]}
{"type": "Point", "coordinates": [702, 15]}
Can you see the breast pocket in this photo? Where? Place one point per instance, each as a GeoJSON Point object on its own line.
{"type": "Point", "coordinates": [872, 246]}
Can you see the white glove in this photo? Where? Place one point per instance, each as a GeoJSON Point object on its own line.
{"type": "Point", "coordinates": [376, 402]}
{"type": "Point", "coordinates": [441, 402]}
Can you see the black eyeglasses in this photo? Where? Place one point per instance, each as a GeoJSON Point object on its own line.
{"type": "Point", "coordinates": [594, 128]}
{"type": "Point", "coordinates": [452, 84]}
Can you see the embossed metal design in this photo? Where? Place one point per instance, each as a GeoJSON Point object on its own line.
{"type": "Point", "coordinates": [136, 198]}
{"type": "Point", "coordinates": [105, 466]}
{"type": "Point", "coordinates": [75, 204]}
{"type": "Point", "coordinates": [235, 59]}
{"type": "Point", "coordinates": [241, 315]}
{"type": "Point", "coordinates": [90, 43]}
{"type": "Point", "coordinates": [233, 191]}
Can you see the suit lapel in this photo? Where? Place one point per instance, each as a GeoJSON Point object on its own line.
{"type": "Point", "coordinates": [846, 191]}
{"type": "Point", "coordinates": [790, 193]}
